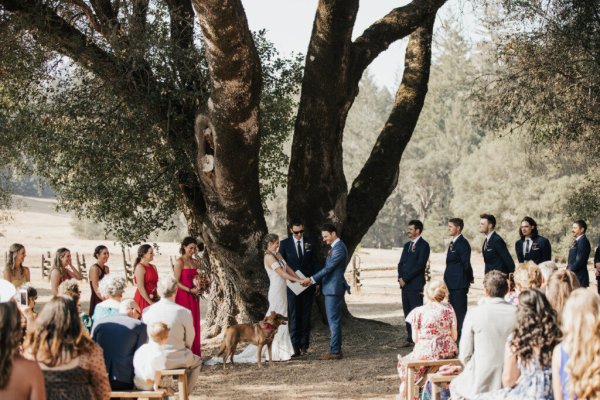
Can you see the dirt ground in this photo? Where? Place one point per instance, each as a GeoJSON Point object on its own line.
{"type": "Point", "coordinates": [370, 344]}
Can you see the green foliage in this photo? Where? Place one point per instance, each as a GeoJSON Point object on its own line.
{"type": "Point", "coordinates": [111, 157]}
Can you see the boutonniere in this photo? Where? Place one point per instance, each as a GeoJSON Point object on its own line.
{"type": "Point", "coordinates": [413, 248]}
{"type": "Point", "coordinates": [306, 246]}
{"type": "Point", "coordinates": [574, 244]}
{"type": "Point", "coordinates": [534, 246]}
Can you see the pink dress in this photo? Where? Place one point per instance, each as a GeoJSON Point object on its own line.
{"type": "Point", "coordinates": [192, 303]}
{"type": "Point", "coordinates": [433, 322]}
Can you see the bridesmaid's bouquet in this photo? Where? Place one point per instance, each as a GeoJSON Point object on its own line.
{"type": "Point", "coordinates": [202, 282]}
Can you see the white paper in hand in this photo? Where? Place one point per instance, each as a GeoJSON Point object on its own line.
{"type": "Point", "coordinates": [296, 287]}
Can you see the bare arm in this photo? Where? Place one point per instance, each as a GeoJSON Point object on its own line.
{"type": "Point", "coordinates": [556, 383]}
{"type": "Point", "coordinates": [454, 333]}
{"type": "Point", "coordinates": [38, 389]}
{"type": "Point", "coordinates": [95, 280]}
{"type": "Point", "coordinates": [6, 274]}
{"type": "Point", "coordinates": [140, 272]}
{"type": "Point", "coordinates": [27, 274]}
{"type": "Point", "coordinates": [510, 373]}
{"type": "Point", "coordinates": [55, 280]}
{"type": "Point", "coordinates": [270, 260]}
{"type": "Point", "coordinates": [73, 272]}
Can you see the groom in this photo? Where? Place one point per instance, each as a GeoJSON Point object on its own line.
{"type": "Point", "coordinates": [333, 286]}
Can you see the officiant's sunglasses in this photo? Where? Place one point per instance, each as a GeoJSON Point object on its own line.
{"type": "Point", "coordinates": [298, 232]}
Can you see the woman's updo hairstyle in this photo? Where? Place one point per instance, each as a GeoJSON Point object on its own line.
{"type": "Point", "coordinates": [268, 239]}
{"type": "Point", "coordinates": [98, 250]}
{"type": "Point", "coordinates": [186, 242]}
{"type": "Point", "coordinates": [436, 290]}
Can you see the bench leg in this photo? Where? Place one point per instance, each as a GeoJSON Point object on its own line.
{"type": "Point", "coordinates": [182, 385]}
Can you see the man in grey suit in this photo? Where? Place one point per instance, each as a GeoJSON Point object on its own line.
{"type": "Point", "coordinates": [484, 334]}
{"type": "Point", "coordinates": [333, 287]}
{"type": "Point", "coordinates": [120, 336]}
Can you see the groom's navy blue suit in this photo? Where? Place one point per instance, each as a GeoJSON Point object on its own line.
{"type": "Point", "coordinates": [299, 306]}
{"type": "Point", "coordinates": [333, 287]}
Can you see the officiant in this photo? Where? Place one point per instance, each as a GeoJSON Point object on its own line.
{"type": "Point", "coordinates": [301, 253]}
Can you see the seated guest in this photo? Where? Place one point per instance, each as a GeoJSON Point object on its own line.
{"type": "Point", "coordinates": [72, 364]}
{"type": "Point", "coordinates": [181, 326]}
{"type": "Point", "coordinates": [528, 354]}
{"type": "Point", "coordinates": [20, 379]}
{"type": "Point", "coordinates": [559, 288]}
{"type": "Point", "coordinates": [526, 276]}
{"type": "Point", "coordinates": [62, 269]}
{"type": "Point", "coordinates": [70, 288]}
{"type": "Point", "coordinates": [575, 362]}
{"type": "Point", "coordinates": [547, 268]}
{"type": "Point", "coordinates": [111, 288]}
{"type": "Point", "coordinates": [15, 272]}
{"type": "Point", "coordinates": [434, 330]}
{"type": "Point", "coordinates": [151, 358]}
{"type": "Point", "coordinates": [120, 336]}
{"type": "Point", "coordinates": [484, 334]}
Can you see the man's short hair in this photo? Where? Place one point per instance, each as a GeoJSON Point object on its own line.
{"type": "Point", "coordinates": [417, 224]}
{"type": "Point", "coordinates": [491, 219]}
{"type": "Point", "coordinates": [329, 228]}
{"type": "Point", "coordinates": [581, 224]}
{"type": "Point", "coordinates": [496, 283]}
{"type": "Point", "coordinates": [167, 286]}
{"type": "Point", "coordinates": [296, 222]}
{"type": "Point", "coordinates": [457, 222]}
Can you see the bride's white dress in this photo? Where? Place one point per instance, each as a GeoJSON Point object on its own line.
{"type": "Point", "coordinates": [282, 348]}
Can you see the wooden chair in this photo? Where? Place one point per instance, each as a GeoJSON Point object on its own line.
{"type": "Point", "coordinates": [81, 266]}
{"type": "Point", "coordinates": [182, 381]}
{"type": "Point", "coordinates": [46, 265]}
{"type": "Point", "coordinates": [412, 389]}
{"type": "Point", "coordinates": [138, 394]}
{"type": "Point", "coordinates": [437, 380]}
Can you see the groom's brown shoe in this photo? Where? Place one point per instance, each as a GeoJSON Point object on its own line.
{"type": "Point", "coordinates": [331, 356]}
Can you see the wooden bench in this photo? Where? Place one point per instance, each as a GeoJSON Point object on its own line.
{"type": "Point", "coordinates": [437, 380]}
{"type": "Point", "coordinates": [182, 387]}
{"type": "Point", "coordinates": [412, 367]}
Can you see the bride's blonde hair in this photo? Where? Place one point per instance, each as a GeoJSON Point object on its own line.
{"type": "Point", "coordinates": [581, 324]}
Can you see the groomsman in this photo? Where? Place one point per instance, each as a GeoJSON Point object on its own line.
{"type": "Point", "coordinates": [597, 264]}
{"type": "Point", "coordinates": [411, 271]}
{"type": "Point", "coordinates": [579, 252]}
{"type": "Point", "coordinates": [532, 246]}
{"type": "Point", "coordinates": [494, 250]}
{"type": "Point", "coordinates": [458, 274]}
{"type": "Point", "coordinates": [301, 253]}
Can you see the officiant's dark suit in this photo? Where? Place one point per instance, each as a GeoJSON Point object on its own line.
{"type": "Point", "coordinates": [301, 253]}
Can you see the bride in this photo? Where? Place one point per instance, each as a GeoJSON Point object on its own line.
{"type": "Point", "coordinates": [278, 272]}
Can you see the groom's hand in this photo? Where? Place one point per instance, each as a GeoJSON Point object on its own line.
{"type": "Point", "coordinates": [306, 282]}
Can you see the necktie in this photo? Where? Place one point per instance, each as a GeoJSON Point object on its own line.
{"type": "Point", "coordinates": [485, 244]}
{"type": "Point", "coordinates": [527, 245]}
{"type": "Point", "coordinates": [300, 255]}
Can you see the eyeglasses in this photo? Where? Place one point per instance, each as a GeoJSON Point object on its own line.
{"type": "Point", "coordinates": [298, 232]}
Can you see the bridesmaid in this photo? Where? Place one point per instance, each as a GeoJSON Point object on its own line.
{"type": "Point", "coordinates": [97, 272]}
{"type": "Point", "coordinates": [186, 269]}
{"type": "Point", "coordinates": [145, 277]}
{"type": "Point", "coordinates": [62, 269]}
{"type": "Point", "coordinates": [15, 272]}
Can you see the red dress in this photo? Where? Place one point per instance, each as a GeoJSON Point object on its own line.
{"type": "Point", "coordinates": [150, 281]}
{"type": "Point", "coordinates": [192, 303]}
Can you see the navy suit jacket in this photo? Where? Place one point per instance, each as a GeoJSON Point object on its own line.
{"type": "Point", "coordinates": [458, 273]}
{"type": "Point", "coordinates": [597, 257]}
{"type": "Point", "coordinates": [496, 255]}
{"type": "Point", "coordinates": [119, 336]}
{"type": "Point", "coordinates": [578, 258]}
{"type": "Point", "coordinates": [540, 251]}
{"type": "Point", "coordinates": [413, 261]}
{"type": "Point", "coordinates": [332, 274]}
{"type": "Point", "coordinates": [310, 262]}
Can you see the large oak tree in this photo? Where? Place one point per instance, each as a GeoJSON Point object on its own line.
{"type": "Point", "coordinates": [195, 84]}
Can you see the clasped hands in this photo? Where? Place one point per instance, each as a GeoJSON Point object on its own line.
{"type": "Point", "coordinates": [306, 282]}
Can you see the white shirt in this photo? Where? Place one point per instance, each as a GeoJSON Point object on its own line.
{"type": "Point", "coordinates": [579, 237]}
{"type": "Point", "coordinates": [526, 242]}
{"type": "Point", "coordinates": [147, 361]}
{"type": "Point", "coordinates": [489, 235]}
{"type": "Point", "coordinates": [415, 239]}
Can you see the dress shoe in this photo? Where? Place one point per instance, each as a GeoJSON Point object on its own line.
{"type": "Point", "coordinates": [408, 344]}
{"type": "Point", "coordinates": [331, 356]}
{"type": "Point", "coordinates": [296, 354]}
{"type": "Point", "coordinates": [303, 352]}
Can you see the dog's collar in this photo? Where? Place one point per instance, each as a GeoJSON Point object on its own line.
{"type": "Point", "coordinates": [266, 325]}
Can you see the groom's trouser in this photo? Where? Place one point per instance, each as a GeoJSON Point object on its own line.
{"type": "Point", "coordinates": [411, 299]}
{"type": "Point", "coordinates": [333, 308]}
{"type": "Point", "coordinates": [299, 308]}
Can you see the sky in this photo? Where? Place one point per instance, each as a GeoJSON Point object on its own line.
{"type": "Point", "coordinates": [289, 25]}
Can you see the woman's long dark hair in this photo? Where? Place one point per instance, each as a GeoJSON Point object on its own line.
{"type": "Point", "coordinates": [143, 249]}
{"type": "Point", "coordinates": [536, 330]}
{"type": "Point", "coordinates": [10, 338]}
{"type": "Point", "coordinates": [186, 242]}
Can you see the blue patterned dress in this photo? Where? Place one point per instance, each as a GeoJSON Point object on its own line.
{"type": "Point", "coordinates": [535, 382]}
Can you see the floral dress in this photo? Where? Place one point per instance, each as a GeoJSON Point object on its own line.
{"type": "Point", "coordinates": [434, 323]}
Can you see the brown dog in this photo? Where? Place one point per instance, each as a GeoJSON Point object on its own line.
{"type": "Point", "coordinates": [260, 334]}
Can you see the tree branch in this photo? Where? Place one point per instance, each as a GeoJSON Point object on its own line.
{"type": "Point", "coordinates": [397, 24]}
{"type": "Point", "coordinates": [379, 175]}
